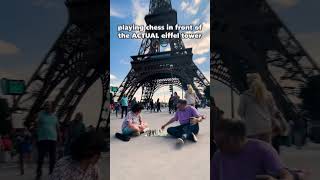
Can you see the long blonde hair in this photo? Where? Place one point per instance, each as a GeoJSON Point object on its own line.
{"type": "Point", "coordinates": [190, 89]}
{"type": "Point", "coordinates": [257, 87]}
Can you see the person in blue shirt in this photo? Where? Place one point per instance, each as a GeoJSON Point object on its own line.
{"type": "Point", "coordinates": [124, 105]}
{"type": "Point", "coordinates": [47, 134]}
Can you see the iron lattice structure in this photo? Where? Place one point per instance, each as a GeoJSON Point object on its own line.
{"type": "Point", "coordinates": [248, 36]}
{"type": "Point", "coordinates": [152, 69]}
{"type": "Point", "coordinates": [75, 62]}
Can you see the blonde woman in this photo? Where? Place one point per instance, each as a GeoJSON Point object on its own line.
{"type": "Point", "coordinates": [191, 96]}
{"type": "Point", "coordinates": [257, 109]}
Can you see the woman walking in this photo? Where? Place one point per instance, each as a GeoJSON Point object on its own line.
{"type": "Point", "coordinates": [158, 105]}
{"type": "Point", "coordinates": [257, 109]}
{"type": "Point", "coordinates": [191, 97]}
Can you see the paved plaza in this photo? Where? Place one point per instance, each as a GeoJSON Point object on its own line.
{"type": "Point", "coordinates": [10, 171]}
{"type": "Point", "coordinates": [307, 158]}
{"type": "Point", "coordinates": [158, 158]}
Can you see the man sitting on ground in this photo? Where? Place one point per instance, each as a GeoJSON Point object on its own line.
{"type": "Point", "coordinates": [242, 158]}
{"type": "Point", "coordinates": [189, 119]}
{"type": "Point", "coordinates": [133, 124]}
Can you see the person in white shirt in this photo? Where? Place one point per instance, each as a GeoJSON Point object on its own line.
{"type": "Point", "coordinates": [133, 123]}
{"type": "Point", "coordinates": [257, 109]}
{"type": "Point", "coordinates": [191, 97]}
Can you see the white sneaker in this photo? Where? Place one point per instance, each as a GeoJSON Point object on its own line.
{"type": "Point", "coordinates": [194, 137]}
{"type": "Point", "coordinates": [180, 141]}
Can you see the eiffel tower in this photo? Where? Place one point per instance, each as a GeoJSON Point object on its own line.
{"type": "Point", "coordinates": [248, 36]}
{"type": "Point", "coordinates": [75, 62]}
{"type": "Point", "coordinates": [152, 69]}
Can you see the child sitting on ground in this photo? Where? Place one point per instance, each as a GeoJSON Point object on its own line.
{"type": "Point", "coordinates": [133, 124]}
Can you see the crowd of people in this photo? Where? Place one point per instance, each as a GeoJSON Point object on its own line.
{"type": "Point", "coordinates": [76, 147]}
{"type": "Point", "coordinates": [184, 111]}
{"type": "Point", "coordinates": [246, 148]}
{"type": "Point", "coordinates": [124, 104]}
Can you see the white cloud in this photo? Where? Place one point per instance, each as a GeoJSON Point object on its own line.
{"type": "Point", "coordinates": [139, 10]}
{"type": "Point", "coordinates": [114, 80]}
{"type": "Point", "coordinates": [7, 48]}
{"type": "Point", "coordinates": [200, 60]}
{"type": "Point", "coordinates": [116, 13]}
{"type": "Point", "coordinates": [113, 77]}
{"type": "Point", "coordinates": [284, 3]}
{"type": "Point", "coordinates": [125, 62]}
{"type": "Point", "coordinates": [195, 21]}
{"type": "Point", "coordinates": [184, 5]}
{"type": "Point", "coordinates": [190, 6]}
{"type": "Point", "coordinates": [200, 46]}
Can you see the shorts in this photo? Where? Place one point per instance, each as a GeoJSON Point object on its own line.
{"type": "Point", "coordinates": [127, 131]}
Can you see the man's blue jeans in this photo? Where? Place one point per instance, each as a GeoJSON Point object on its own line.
{"type": "Point", "coordinates": [187, 129]}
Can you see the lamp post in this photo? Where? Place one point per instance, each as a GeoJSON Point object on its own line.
{"type": "Point", "coordinates": [171, 69]}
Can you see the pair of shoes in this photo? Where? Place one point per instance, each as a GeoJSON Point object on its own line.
{"type": "Point", "coordinates": [193, 138]}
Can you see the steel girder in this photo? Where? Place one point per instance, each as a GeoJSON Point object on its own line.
{"type": "Point", "coordinates": [164, 70]}
{"type": "Point", "coordinates": [151, 68]}
{"type": "Point", "coordinates": [76, 60]}
{"type": "Point", "coordinates": [149, 88]}
{"type": "Point", "coordinates": [248, 36]}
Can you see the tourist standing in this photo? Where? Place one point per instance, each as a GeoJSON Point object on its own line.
{"type": "Point", "coordinates": [124, 105]}
{"type": "Point", "coordinates": [170, 104]}
{"type": "Point", "coordinates": [111, 102]}
{"type": "Point", "coordinates": [158, 105]}
{"type": "Point", "coordinates": [191, 97]}
{"type": "Point", "coordinates": [257, 109]}
{"type": "Point", "coordinates": [175, 101]}
{"type": "Point", "coordinates": [48, 129]}
{"type": "Point", "coordinates": [75, 129]}
{"type": "Point", "coordinates": [133, 102]}
{"type": "Point", "coordinates": [117, 108]}
{"type": "Point", "coordinates": [151, 105]}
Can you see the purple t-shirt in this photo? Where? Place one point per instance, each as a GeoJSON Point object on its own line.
{"type": "Point", "coordinates": [256, 158]}
{"type": "Point", "coordinates": [183, 116]}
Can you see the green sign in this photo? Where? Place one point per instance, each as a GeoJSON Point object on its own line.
{"type": "Point", "coordinates": [12, 87]}
{"type": "Point", "coordinates": [114, 89]}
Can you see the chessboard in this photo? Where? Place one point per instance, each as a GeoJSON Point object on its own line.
{"type": "Point", "coordinates": [155, 132]}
